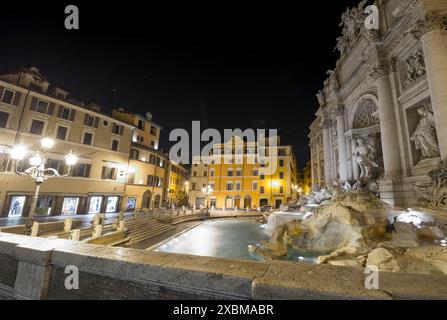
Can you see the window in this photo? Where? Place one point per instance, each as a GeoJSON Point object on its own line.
{"type": "Point", "coordinates": [281, 163]}
{"type": "Point", "coordinates": [230, 172]}
{"type": "Point", "coordinates": [153, 143]}
{"type": "Point", "coordinates": [141, 124]}
{"type": "Point", "coordinates": [91, 121]}
{"type": "Point", "coordinates": [57, 165]}
{"type": "Point", "coordinates": [262, 177]}
{"type": "Point", "coordinates": [64, 113]}
{"type": "Point", "coordinates": [229, 186]}
{"type": "Point", "coordinates": [193, 186]}
{"type": "Point", "coordinates": [205, 174]}
{"type": "Point", "coordinates": [108, 173]}
{"type": "Point", "coordinates": [8, 96]}
{"type": "Point", "coordinates": [115, 144]}
{"type": "Point", "coordinates": [131, 178]}
{"type": "Point", "coordinates": [194, 174]}
{"type": "Point", "coordinates": [117, 129]}
{"type": "Point", "coordinates": [81, 170]}
{"type": "Point", "coordinates": [255, 172]}
{"type": "Point", "coordinates": [239, 172]}
{"type": "Point", "coordinates": [150, 180]}
{"type": "Point", "coordinates": [255, 185]}
{"type": "Point", "coordinates": [281, 175]}
{"type": "Point", "coordinates": [140, 139]}
{"type": "Point", "coordinates": [262, 190]}
{"type": "Point", "coordinates": [61, 133]}
{"type": "Point", "coordinates": [4, 116]}
{"type": "Point", "coordinates": [134, 154]}
{"type": "Point", "coordinates": [42, 106]}
{"type": "Point", "coordinates": [37, 127]}
{"type": "Point", "coordinates": [281, 189]}
{"type": "Point", "coordinates": [212, 173]}
{"type": "Point", "coordinates": [153, 131]}
{"type": "Point", "coordinates": [238, 186]}
{"type": "Point", "coordinates": [88, 138]}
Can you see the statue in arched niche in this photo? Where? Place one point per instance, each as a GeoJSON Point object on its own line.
{"type": "Point", "coordinates": [424, 136]}
{"type": "Point", "coordinates": [365, 155]}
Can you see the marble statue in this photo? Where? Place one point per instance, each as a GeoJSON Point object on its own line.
{"type": "Point", "coordinates": [321, 98]}
{"type": "Point", "coordinates": [333, 80]}
{"type": "Point", "coordinates": [424, 136]}
{"type": "Point", "coordinates": [439, 187]}
{"type": "Point", "coordinates": [365, 154]}
{"type": "Point", "coordinates": [414, 68]}
{"type": "Point", "coordinates": [353, 22]}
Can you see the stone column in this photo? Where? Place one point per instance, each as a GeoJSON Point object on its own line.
{"type": "Point", "coordinates": [349, 156]}
{"type": "Point", "coordinates": [326, 125]}
{"type": "Point", "coordinates": [388, 127]}
{"type": "Point", "coordinates": [431, 30]}
{"type": "Point", "coordinates": [342, 157]}
{"type": "Point", "coordinates": [355, 166]}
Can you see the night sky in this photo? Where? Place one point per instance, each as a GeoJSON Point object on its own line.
{"type": "Point", "coordinates": [227, 65]}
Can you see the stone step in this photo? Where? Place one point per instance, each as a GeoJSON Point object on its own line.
{"type": "Point", "coordinates": [148, 230]}
{"type": "Point", "coordinates": [138, 240]}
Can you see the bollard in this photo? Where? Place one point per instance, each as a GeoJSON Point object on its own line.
{"type": "Point", "coordinates": [75, 235]}
{"type": "Point", "coordinates": [97, 231]}
{"type": "Point", "coordinates": [35, 229]}
{"type": "Point", "coordinates": [121, 226]}
{"type": "Point", "coordinates": [68, 223]}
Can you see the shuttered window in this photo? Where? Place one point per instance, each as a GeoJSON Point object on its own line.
{"type": "Point", "coordinates": [41, 106]}
{"type": "Point", "coordinates": [66, 113]}
{"type": "Point", "coordinates": [91, 121]}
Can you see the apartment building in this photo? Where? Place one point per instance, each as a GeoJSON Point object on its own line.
{"type": "Point", "coordinates": [31, 109]}
{"type": "Point", "coordinates": [199, 180]}
{"type": "Point", "coordinates": [239, 181]}
{"type": "Point", "coordinates": [149, 168]}
{"type": "Point", "coordinates": [179, 185]}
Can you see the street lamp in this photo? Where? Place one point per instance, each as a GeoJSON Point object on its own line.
{"type": "Point", "coordinates": [37, 171]}
{"type": "Point", "coordinates": [207, 191]}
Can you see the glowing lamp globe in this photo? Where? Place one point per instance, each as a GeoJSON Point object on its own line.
{"type": "Point", "coordinates": [71, 159]}
{"type": "Point", "coordinates": [18, 153]}
{"type": "Point", "coordinates": [36, 160]}
{"type": "Point", "coordinates": [47, 143]}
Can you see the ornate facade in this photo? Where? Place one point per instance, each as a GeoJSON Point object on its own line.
{"type": "Point", "coordinates": [383, 109]}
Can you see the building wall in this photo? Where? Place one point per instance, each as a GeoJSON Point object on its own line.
{"type": "Point", "coordinates": [147, 185]}
{"type": "Point", "coordinates": [374, 93]}
{"type": "Point", "coordinates": [177, 191]}
{"type": "Point", "coordinates": [244, 175]}
{"type": "Point", "coordinates": [95, 157]}
{"type": "Point", "coordinates": [199, 179]}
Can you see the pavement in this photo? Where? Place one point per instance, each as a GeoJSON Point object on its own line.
{"type": "Point", "coordinates": [86, 219]}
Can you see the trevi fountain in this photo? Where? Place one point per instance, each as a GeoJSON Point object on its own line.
{"type": "Point", "coordinates": [350, 226]}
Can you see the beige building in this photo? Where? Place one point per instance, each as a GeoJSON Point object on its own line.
{"type": "Point", "coordinates": [149, 168]}
{"type": "Point", "coordinates": [29, 111]}
{"type": "Point", "coordinates": [198, 181]}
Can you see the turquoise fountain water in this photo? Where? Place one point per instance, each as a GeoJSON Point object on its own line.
{"type": "Point", "coordinates": [225, 239]}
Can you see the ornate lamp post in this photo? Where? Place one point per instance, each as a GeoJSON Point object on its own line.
{"type": "Point", "coordinates": [37, 170]}
{"type": "Point", "coordinates": [207, 191]}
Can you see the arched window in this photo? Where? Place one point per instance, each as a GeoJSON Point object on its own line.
{"type": "Point", "coordinates": [364, 117]}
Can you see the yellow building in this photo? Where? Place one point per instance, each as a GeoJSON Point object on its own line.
{"type": "Point", "coordinates": [237, 180]}
{"type": "Point", "coordinates": [30, 110]}
{"type": "Point", "coordinates": [148, 167]}
{"type": "Point", "coordinates": [177, 192]}
{"type": "Point", "coordinates": [305, 179]}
